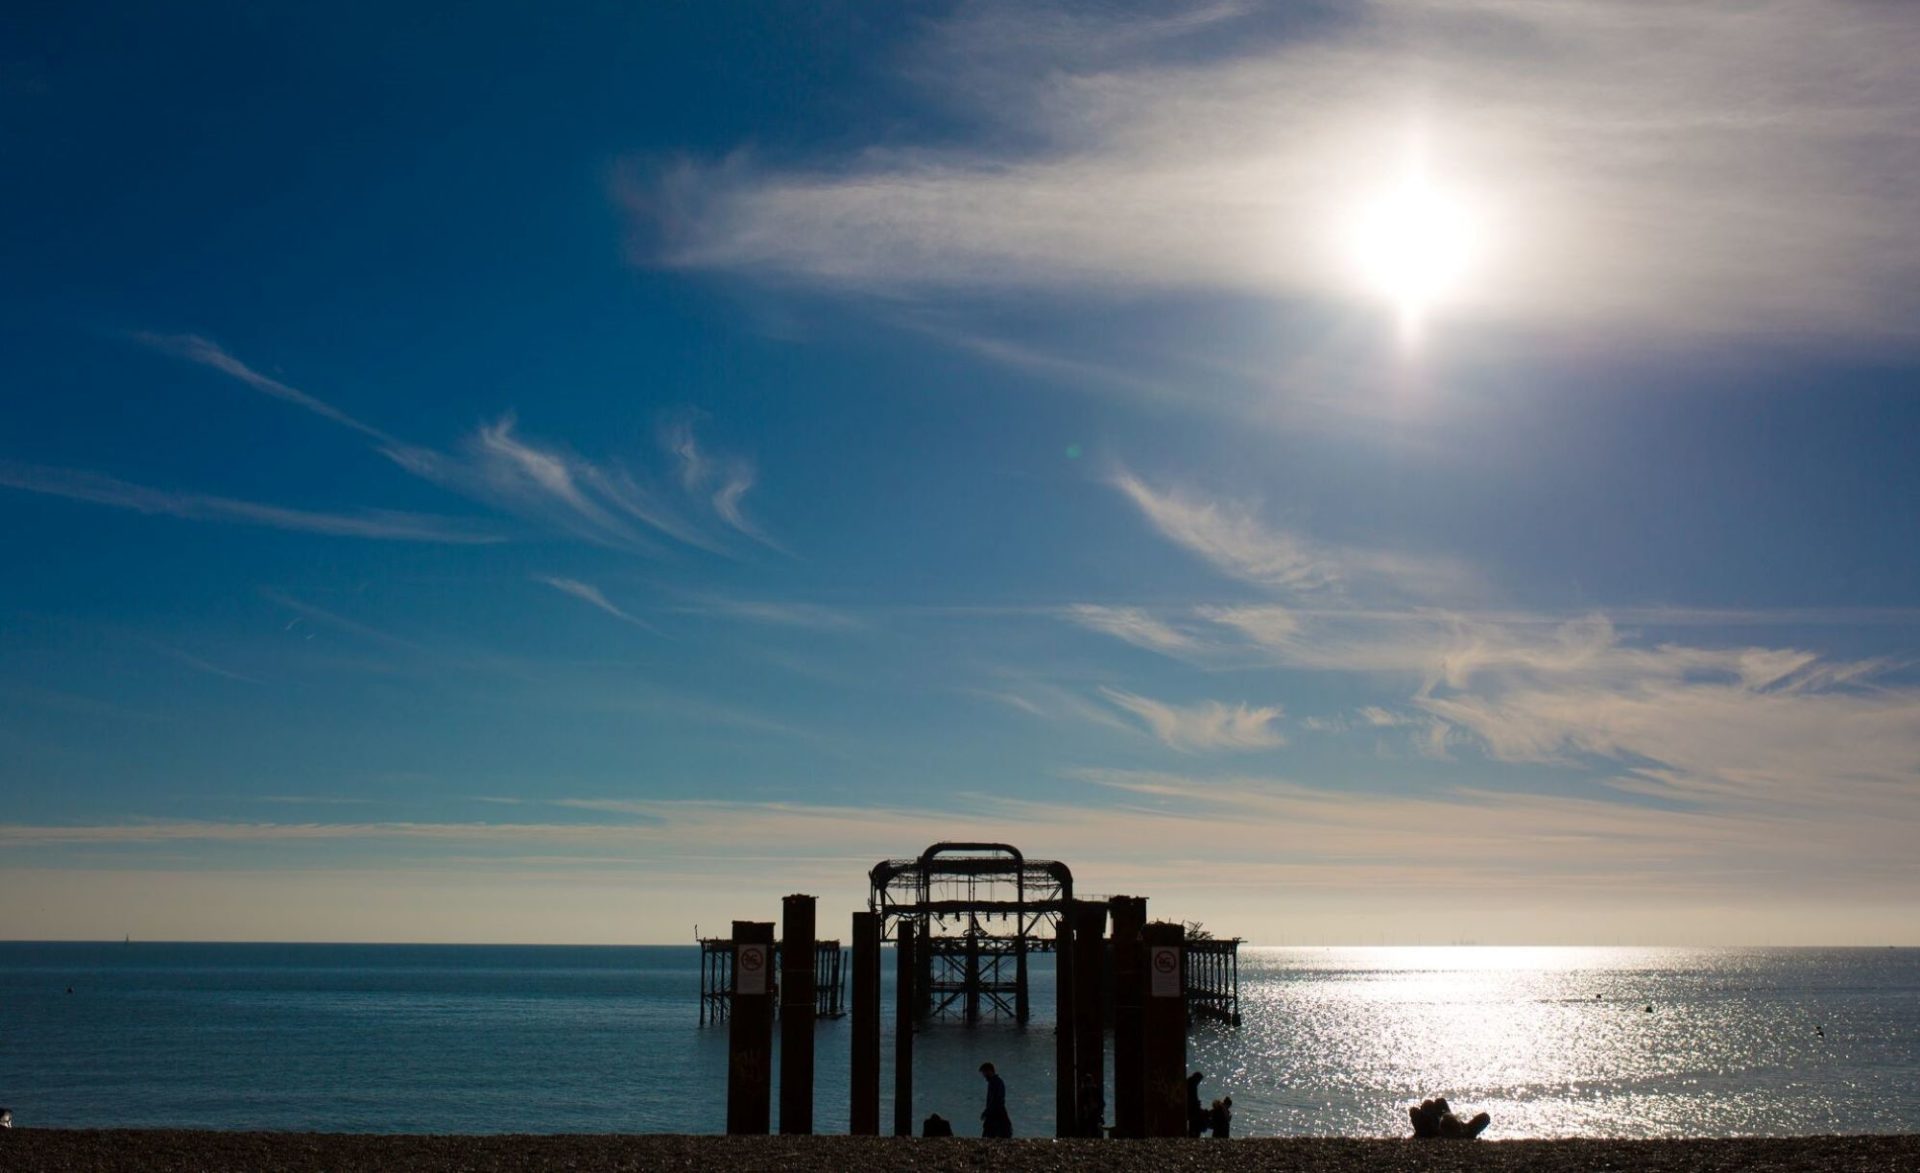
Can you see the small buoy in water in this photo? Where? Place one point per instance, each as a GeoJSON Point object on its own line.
{"type": "Point", "coordinates": [69, 989]}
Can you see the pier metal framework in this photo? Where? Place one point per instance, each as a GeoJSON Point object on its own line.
{"type": "Point", "coordinates": [716, 979]}
{"type": "Point", "coordinates": [1212, 978]}
{"type": "Point", "coordinates": [978, 910]}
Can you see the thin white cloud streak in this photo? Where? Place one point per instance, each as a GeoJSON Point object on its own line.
{"type": "Point", "coordinates": [379, 525]}
{"type": "Point", "coordinates": [216, 831]}
{"type": "Point", "coordinates": [1232, 539]}
{"type": "Point", "coordinates": [605, 505]}
{"type": "Point", "coordinates": [198, 664]}
{"type": "Point", "coordinates": [1136, 626]}
{"type": "Point", "coordinates": [196, 349]}
{"type": "Point", "coordinates": [592, 596]}
{"type": "Point", "coordinates": [1209, 725]}
{"type": "Point", "coordinates": [802, 615]}
{"type": "Point", "coordinates": [1054, 705]}
{"type": "Point", "coordinates": [1725, 167]}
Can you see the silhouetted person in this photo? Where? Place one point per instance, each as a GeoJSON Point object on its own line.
{"type": "Point", "coordinates": [1197, 1121]}
{"type": "Point", "coordinates": [1434, 1119]}
{"type": "Point", "coordinates": [994, 1120]}
{"type": "Point", "coordinates": [1221, 1117]}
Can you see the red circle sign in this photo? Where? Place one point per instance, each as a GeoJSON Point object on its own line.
{"type": "Point", "coordinates": [1165, 961]}
{"type": "Point", "coordinates": [751, 959]}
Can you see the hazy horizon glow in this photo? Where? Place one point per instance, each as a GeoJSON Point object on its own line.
{"type": "Point", "coordinates": [1402, 473]}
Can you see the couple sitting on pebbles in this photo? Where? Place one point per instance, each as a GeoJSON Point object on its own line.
{"type": "Point", "coordinates": [1434, 1120]}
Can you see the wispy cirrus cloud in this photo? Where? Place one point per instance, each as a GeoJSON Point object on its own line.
{"type": "Point", "coordinates": [605, 504]}
{"type": "Point", "coordinates": [380, 525]}
{"type": "Point", "coordinates": [1721, 167]}
{"type": "Point", "coordinates": [198, 663]}
{"type": "Point", "coordinates": [1233, 539]}
{"type": "Point", "coordinates": [549, 485]}
{"type": "Point", "coordinates": [1134, 625]}
{"type": "Point", "coordinates": [724, 481]}
{"type": "Point", "coordinates": [208, 353]}
{"type": "Point", "coordinates": [592, 596]}
{"type": "Point", "coordinates": [1209, 725]}
{"type": "Point", "coordinates": [1758, 730]}
{"type": "Point", "coordinates": [1676, 720]}
{"type": "Point", "coordinates": [778, 614]}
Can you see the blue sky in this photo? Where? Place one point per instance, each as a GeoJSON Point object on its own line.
{"type": "Point", "coordinates": [569, 473]}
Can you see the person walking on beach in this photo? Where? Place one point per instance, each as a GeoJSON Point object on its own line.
{"type": "Point", "coordinates": [994, 1121]}
{"type": "Point", "coordinates": [1198, 1120]}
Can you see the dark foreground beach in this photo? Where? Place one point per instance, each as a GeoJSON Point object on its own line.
{"type": "Point", "coordinates": [35, 1150]}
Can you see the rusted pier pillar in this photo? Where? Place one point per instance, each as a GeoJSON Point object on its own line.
{"type": "Point", "coordinates": [1063, 1049]}
{"type": "Point", "coordinates": [904, 1015]}
{"type": "Point", "coordinates": [1129, 1039]}
{"type": "Point", "coordinates": [863, 1116]}
{"type": "Point", "coordinates": [1089, 1017]}
{"type": "Point", "coordinates": [750, 1029]}
{"type": "Point", "coordinates": [797, 1008]}
{"type": "Point", "coordinates": [1165, 1020]}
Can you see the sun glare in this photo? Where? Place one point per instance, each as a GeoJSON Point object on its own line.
{"type": "Point", "coordinates": [1415, 246]}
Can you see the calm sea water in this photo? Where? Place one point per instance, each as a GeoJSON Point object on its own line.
{"type": "Point", "coordinates": [1552, 1042]}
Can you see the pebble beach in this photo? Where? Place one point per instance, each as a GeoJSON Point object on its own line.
{"type": "Point", "coordinates": [157, 1151]}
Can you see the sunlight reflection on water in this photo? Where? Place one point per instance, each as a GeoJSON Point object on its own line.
{"type": "Point", "coordinates": [1560, 1042]}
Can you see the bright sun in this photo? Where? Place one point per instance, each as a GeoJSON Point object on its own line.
{"type": "Point", "coordinates": [1415, 245]}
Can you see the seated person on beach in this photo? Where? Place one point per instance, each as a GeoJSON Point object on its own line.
{"type": "Point", "coordinates": [1434, 1120]}
{"type": "Point", "coordinates": [1220, 1117]}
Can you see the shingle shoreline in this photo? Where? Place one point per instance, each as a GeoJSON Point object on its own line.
{"type": "Point", "coordinates": [156, 1151]}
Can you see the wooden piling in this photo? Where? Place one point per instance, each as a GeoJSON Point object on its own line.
{"type": "Point", "coordinates": [904, 1014]}
{"type": "Point", "coordinates": [798, 960]}
{"type": "Point", "coordinates": [750, 1030]}
{"type": "Point", "coordinates": [1129, 1039]}
{"type": "Point", "coordinates": [863, 1117]}
{"type": "Point", "coordinates": [1063, 1022]}
{"type": "Point", "coordinates": [1165, 1023]}
{"type": "Point", "coordinates": [1089, 1016]}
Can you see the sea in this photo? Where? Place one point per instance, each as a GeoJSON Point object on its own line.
{"type": "Point", "coordinates": [1552, 1042]}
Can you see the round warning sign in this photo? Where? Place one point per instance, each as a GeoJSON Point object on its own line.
{"type": "Point", "coordinates": [750, 971]}
{"type": "Point", "coordinates": [1164, 965]}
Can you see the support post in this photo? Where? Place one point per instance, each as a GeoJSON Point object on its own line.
{"type": "Point", "coordinates": [903, 1029]}
{"type": "Point", "coordinates": [1165, 1020]}
{"type": "Point", "coordinates": [1063, 1022]}
{"type": "Point", "coordinates": [798, 959]}
{"type": "Point", "coordinates": [863, 1115]}
{"type": "Point", "coordinates": [1089, 1018]}
{"type": "Point", "coordinates": [973, 976]}
{"type": "Point", "coordinates": [1129, 1039]}
{"type": "Point", "coordinates": [1020, 1000]}
{"type": "Point", "coordinates": [750, 1029]}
